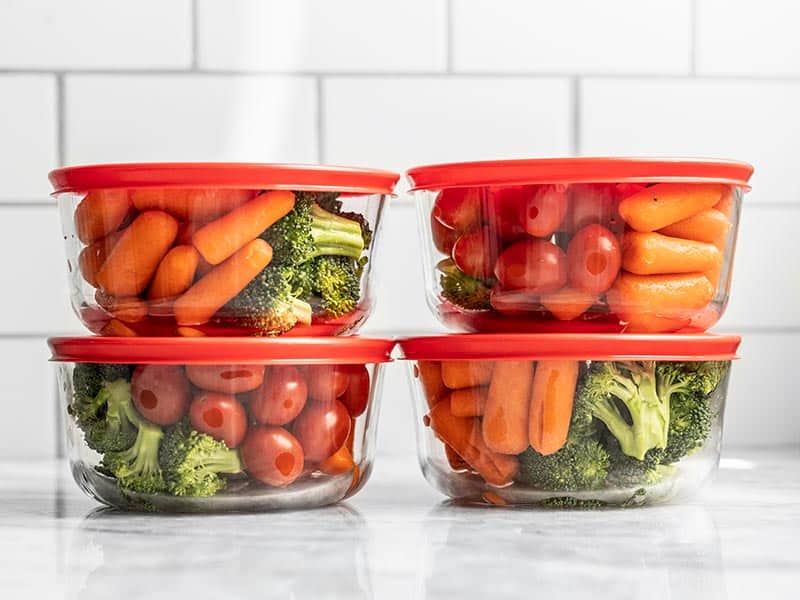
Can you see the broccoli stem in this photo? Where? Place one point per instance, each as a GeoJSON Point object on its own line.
{"type": "Point", "coordinates": [334, 235]}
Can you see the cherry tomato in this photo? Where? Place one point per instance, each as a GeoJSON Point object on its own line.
{"type": "Point", "coordinates": [542, 211]}
{"type": "Point", "coordinates": [503, 210]}
{"type": "Point", "coordinates": [594, 259]}
{"type": "Point", "coordinates": [475, 253]}
{"type": "Point", "coordinates": [459, 208]}
{"type": "Point", "coordinates": [322, 429]}
{"type": "Point", "coordinates": [536, 265]}
{"type": "Point", "coordinates": [281, 398]}
{"type": "Point", "coordinates": [228, 379]}
{"type": "Point", "coordinates": [594, 203]}
{"type": "Point", "coordinates": [443, 236]}
{"type": "Point", "coordinates": [356, 396]}
{"type": "Point", "coordinates": [327, 382]}
{"type": "Point", "coordinates": [272, 455]}
{"type": "Point", "coordinates": [161, 393]}
{"type": "Point", "coordinates": [221, 416]}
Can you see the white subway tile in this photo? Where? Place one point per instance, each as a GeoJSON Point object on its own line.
{"type": "Point", "coordinates": [745, 37]}
{"type": "Point", "coordinates": [190, 118]}
{"type": "Point", "coordinates": [28, 132]}
{"type": "Point", "coordinates": [88, 34]}
{"type": "Point", "coordinates": [762, 407]}
{"type": "Point", "coordinates": [580, 36]}
{"type": "Point", "coordinates": [35, 299]}
{"type": "Point", "coordinates": [318, 35]}
{"type": "Point", "coordinates": [401, 122]}
{"type": "Point", "coordinates": [28, 426]}
{"type": "Point", "coordinates": [749, 121]}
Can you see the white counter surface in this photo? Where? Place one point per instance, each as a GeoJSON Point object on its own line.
{"type": "Point", "coordinates": [399, 539]}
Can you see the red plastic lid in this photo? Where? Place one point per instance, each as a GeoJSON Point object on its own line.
{"type": "Point", "coordinates": [579, 170]}
{"type": "Point", "coordinates": [221, 350]}
{"type": "Point", "coordinates": [576, 346]}
{"type": "Point", "coordinates": [225, 176]}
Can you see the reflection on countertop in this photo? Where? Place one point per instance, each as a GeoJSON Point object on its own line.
{"type": "Point", "coordinates": [399, 539]}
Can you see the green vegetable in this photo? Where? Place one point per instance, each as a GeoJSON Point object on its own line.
{"type": "Point", "coordinates": [463, 290]}
{"type": "Point", "coordinates": [137, 468]}
{"type": "Point", "coordinates": [577, 466]}
{"type": "Point", "coordinates": [572, 502]}
{"type": "Point", "coordinates": [337, 282]}
{"type": "Point", "coordinates": [192, 462]}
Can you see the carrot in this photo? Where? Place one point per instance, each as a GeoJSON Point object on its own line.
{"type": "Point", "coordinates": [505, 418]}
{"type": "Point", "coordinates": [666, 203]}
{"type": "Point", "coordinates": [459, 374]}
{"type": "Point", "coordinates": [468, 402]}
{"type": "Point", "coordinates": [175, 273]}
{"type": "Point", "coordinates": [94, 255]}
{"type": "Point", "coordinates": [185, 232]}
{"type": "Point", "coordinates": [430, 374]}
{"type": "Point", "coordinates": [116, 328]}
{"type": "Point", "coordinates": [551, 404]}
{"type": "Point", "coordinates": [190, 205]}
{"type": "Point", "coordinates": [128, 310]}
{"type": "Point", "coordinates": [710, 226]}
{"type": "Point", "coordinates": [199, 303]}
{"type": "Point", "coordinates": [339, 462]}
{"type": "Point", "coordinates": [202, 267]}
{"type": "Point", "coordinates": [671, 296]}
{"type": "Point", "coordinates": [645, 322]}
{"type": "Point", "coordinates": [568, 303]}
{"type": "Point", "coordinates": [725, 205]}
{"type": "Point", "coordinates": [713, 275]}
{"type": "Point", "coordinates": [463, 435]}
{"type": "Point", "coordinates": [219, 239]}
{"type": "Point", "coordinates": [654, 254]}
{"type": "Point", "coordinates": [134, 259]}
{"type": "Point", "coordinates": [454, 460]}
{"type": "Point", "coordinates": [189, 332]}
{"type": "Point", "coordinates": [101, 212]}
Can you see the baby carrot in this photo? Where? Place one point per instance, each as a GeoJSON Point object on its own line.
{"type": "Point", "coordinates": [134, 259]}
{"type": "Point", "coordinates": [199, 303]}
{"type": "Point", "coordinates": [464, 436]}
{"type": "Point", "coordinates": [101, 212]}
{"type": "Point", "coordinates": [505, 418]}
{"type": "Point", "coordinates": [128, 310]}
{"type": "Point", "coordinates": [115, 328]}
{"type": "Point", "coordinates": [94, 255]}
{"type": "Point", "coordinates": [175, 273]}
{"type": "Point", "coordinates": [339, 462]}
{"type": "Point", "coordinates": [185, 232]}
{"type": "Point", "coordinates": [644, 322]}
{"type": "Point", "coordinates": [551, 404]}
{"type": "Point", "coordinates": [189, 332]}
{"type": "Point", "coordinates": [710, 226]}
{"type": "Point", "coordinates": [725, 204]}
{"type": "Point", "coordinates": [430, 374]}
{"type": "Point", "coordinates": [666, 203]}
{"type": "Point", "coordinates": [672, 296]}
{"type": "Point", "coordinates": [654, 254]}
{"type": "Point", "coordinates": [459, 374]}
{"type": "Point", "coordinates": [219, 239]}
{"type": "Point", "coordinates": [454, 460]}
{"type": "Point", "coordinates": [468, 402]}
{"type": "Point", "coordinates": [190, 205]}
{"type": "Point", "coordinates": [568, 303]}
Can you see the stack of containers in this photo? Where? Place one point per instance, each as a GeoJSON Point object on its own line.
{"type": "Point", "coordinates": [586, 285]}
{"type": "Point", "coordinates": [215, 382]}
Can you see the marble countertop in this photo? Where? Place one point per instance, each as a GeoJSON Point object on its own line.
{"type": "Point", "coordinates": [399, 539]}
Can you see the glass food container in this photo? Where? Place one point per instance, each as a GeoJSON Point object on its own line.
{"type": "Point", "coordinates": [194, 249]}
{"type": "Point", "coordinates": [569, 420]}
{"type": "Point", "coordinates": [220, 424]}
{"type": "Point", "coordinates": [601, 245]}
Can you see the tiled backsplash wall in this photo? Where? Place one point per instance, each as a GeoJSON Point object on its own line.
{"type": "Point", "coordinates": [392, 84]}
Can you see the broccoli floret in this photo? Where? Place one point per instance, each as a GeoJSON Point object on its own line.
{"type": "Point", "coordinates": [192, 461]}
{"type": "Point", "coordinates": [572, 502]}
{"type": "Point", "coordinates": [463, 290]}
{"type": "Point", "coordinates": [626, 471]}
{"type": "Point", "coordinates": [577, 466]}
{"type": "Point", "coordinates": [336, 282]}
{"type": "Point", "coordinates": [87, 381]}
{"type": "Point", "coordinates": [102, 406]}
{"type": "Point", "coordinates": [137, 468]}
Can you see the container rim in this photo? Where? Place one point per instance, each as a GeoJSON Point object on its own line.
{"type": "Point", "coordinates": [574, 346]}
{"type": "Point", "coordinates": [307, 177]}
{"type": "Point", "coordinates": [580, 170]}
{"type": "Point", "coordinates": [221, 350]}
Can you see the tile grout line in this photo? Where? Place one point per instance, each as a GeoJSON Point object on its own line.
{"type": "Point", "coordinates": [195, 43]}
{"type": "Point", "coordinates": [60, 121]}
{"type": "Point", "coordinates": [320, 120]}
{"type": "Point", "coordinates": [448, 57]}
{"type": "Point", "coordinates": [693, 38]}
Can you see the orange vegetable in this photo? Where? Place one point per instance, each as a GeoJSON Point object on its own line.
{"type": "Point", "coordinates": [469, 402]}
{"type": "Point", "coordinates": [649, 323]}
{"type": "Point", "coordinates": [710, 226]}
{"type": "Point", "coordinates": [185, 232]}
{"type": "Point", "coordinates": [551, 404]}
{"type": "Point", "coordinates": [190, 205]}
{"type": "Point", "coordinates": [454, 460]}
{"type": "Point", "coordinates": [101, 212]}
{"type": "Point", "coordinates": [116, 328]}
{"type": "Point", "coordinates": [339, 462]}
{"type": "Point", "coordinates": [663, 204]}
{"type": "Point", "coordinates": [128, 309]}
{"type": "Point", "coordinates": [673, 296]}
{"type": "Point", "coordinates": [219, 239]}
{"type": "Point", "coordinates": [713, 275]}
{"type": "Point", "coordinates": [189, 332]}
{"type": "Point", "coordinates": [505, 418]}
{"type": "Point", "coordinates": [568, 303]}
{"type": "Point", "coordinates": [175, 273]}
{"type": "Point", "coordinates": [94, 255]}
{"type": "Point", "coordinates": [430, 374]}
{"type": "Point", "coordinates": [199, 303]}
{"type": "Point", "coordinates": [655, 254]}
{"type": "Point", "coordinates": [134, 259]}
{"type": "Point", "coordinates": [463, 435]}
{"type": "Point", "coordinates": [459, 374]}
{"type": "Point", "coordinates": [725, 205]}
